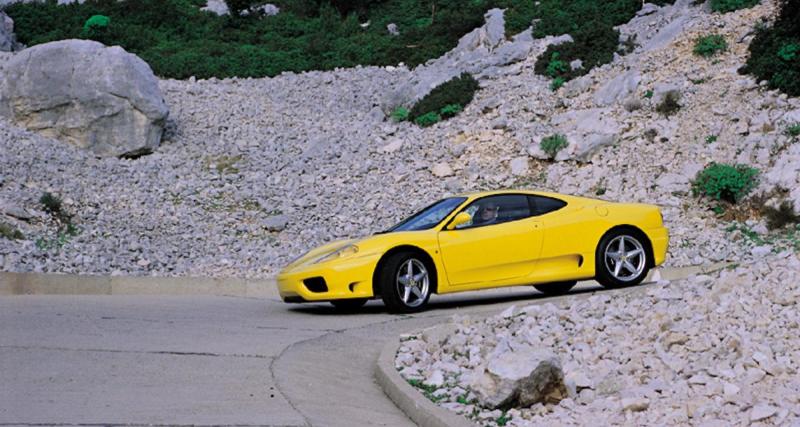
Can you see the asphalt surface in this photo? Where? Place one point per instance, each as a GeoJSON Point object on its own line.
{"type": "Point", "coordinates": [189, 360]}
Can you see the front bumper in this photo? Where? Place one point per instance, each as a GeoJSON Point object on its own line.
{"type": "Point", "coordinates": [341, 279]}
{"type": "Point", "coordinates": [659, 238]}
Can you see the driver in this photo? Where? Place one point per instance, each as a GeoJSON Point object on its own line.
{"type": "Point", "coordinates": [486, 214]}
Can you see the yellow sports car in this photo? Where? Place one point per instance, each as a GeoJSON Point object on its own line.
{"type": "Point", "coordinates": [484, 240]}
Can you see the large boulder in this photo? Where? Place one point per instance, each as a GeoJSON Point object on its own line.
{"type": "Point", "coordinates": [519, 377]}
{"type": "Point", "coordinates": [618, 88]}
{"type": "Point", "coordinates": [95, 97]}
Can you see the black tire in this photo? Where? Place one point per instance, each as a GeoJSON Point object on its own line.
{"type": "Point", "coordinates": [556, 288]}
{"type": "Point", "coordinates": [349, 304]}
{"type": "Point", "coordinates": [390, 282]}
{"type": "Point", "coordinates": [606, 271]}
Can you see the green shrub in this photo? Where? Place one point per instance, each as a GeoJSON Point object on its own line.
{"type": "Point", "coordinates": [51, 204]}
{"type": "Point", "coordinates": [725, 182]}
{"type": "Point", "coordinates": [556, 67]}
{"type": "Point", "coordinates": [710, 45]}
{"type": "Point", "coordinates": [793, 130]}
{"type": "Point", "coordinates": [556, 83]}
{"type": "Point", "coordinates": [780, 217]}
{"type": "Point", "coordinates": [9, 232]}
{"type": "Point", "coordinates": [552, 144]}
{"type": "Point", "coordinates": [450, 110]}
{"type": "Point", "coordinates": [648, 94]}
{"type": "Point", "coordinates": [670, 104]}
{"type": "Point", "coordinates": [724, 6]}
{"type": "Point", "coordinates": [594, 46]}
{"type": "Point", "coordinates": [775, 51]}
{"type": "Point", "coordinates": [428, 119]}
{"type": "Point", "coordinates": [400, 114]}
{"type": "Point", "coordinates": [456, 91]}
{"type": "Point", "coordinates": [789, 52]}
{"type": "Point", "coordinates": [711, 139]}
{"type": "Point", "coordinates": [95, 27]}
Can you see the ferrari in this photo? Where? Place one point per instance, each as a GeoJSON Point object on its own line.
{"type": "Point", "coordinates": [484, 240]}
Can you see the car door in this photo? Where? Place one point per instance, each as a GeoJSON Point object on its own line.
{"type": "Point", "coordinates": [501, 249]}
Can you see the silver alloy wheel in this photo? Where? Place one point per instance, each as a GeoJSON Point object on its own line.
{"type": "Point", "coordinates": [412, 282]}
{"type": "Point", "coordinates": [625, 258]}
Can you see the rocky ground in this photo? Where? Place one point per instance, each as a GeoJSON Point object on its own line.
{"type": "Point", "coordinates": [714, 350]}
{"type": "Point", "coordinates": [252, 172]}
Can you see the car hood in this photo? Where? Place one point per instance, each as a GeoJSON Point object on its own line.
{"type": "Point", "coordinates": [368, 245]}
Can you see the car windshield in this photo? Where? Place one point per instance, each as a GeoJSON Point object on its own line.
{"type": "Point", "coordinates": [430, 216]}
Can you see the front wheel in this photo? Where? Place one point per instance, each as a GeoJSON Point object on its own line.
{"type": "Point", "coordinates": [406, 281]}
{"type": "Point", "coordinates": [349, 304]}
{"type": "Point", "coordinates": [622, 259]}
{"type": "Point", "coordinates": [557, 288]}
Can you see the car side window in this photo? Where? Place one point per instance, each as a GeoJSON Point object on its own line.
{"type": "Point", "coordinates": [541, 205]}
{"type": "Point", "coordinates": [496, 210]}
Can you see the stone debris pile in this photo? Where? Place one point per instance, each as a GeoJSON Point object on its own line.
{"type": "Point", "coordinates": [715, 349]}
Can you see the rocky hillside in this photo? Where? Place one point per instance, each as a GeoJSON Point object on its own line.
{"type": "Point", "coordinates": [252, 172]}
{"type": "Point", "coordinates": [715, 350]}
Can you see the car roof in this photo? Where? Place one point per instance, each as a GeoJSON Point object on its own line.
{"type": "Point", "coordinates": [480, 194]}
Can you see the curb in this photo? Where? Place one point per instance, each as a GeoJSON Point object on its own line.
{"type": "Point", "coordinates": [426, 413]}
{"type": "Point", "coordinates": [73, 284]}
{"type": "Point", "coordinates": [416, 406]}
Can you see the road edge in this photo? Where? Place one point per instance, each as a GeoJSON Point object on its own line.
{"type": "Point", "coordinates": [413, 403]}
{"type": "Point", "coordinates": [79, 284]}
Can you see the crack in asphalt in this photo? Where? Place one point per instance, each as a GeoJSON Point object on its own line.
{"type": "Point", "coordinates": [106, 350]}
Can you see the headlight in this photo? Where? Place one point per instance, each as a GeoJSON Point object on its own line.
{"type": "Point", "coordinates": [343, 251]}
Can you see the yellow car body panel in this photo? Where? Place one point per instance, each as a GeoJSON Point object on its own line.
{"type": "Point", "coordinates": [556, 246]}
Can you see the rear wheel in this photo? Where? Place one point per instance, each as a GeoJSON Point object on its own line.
{"type": "Point", "coordinates": [406, 281]}
{"type": "Point", "coordinates": [622, 259]}
{"type": "Point", "coordinates": [556, 288]}
{"type": "Point", "coordinates": [349, 304]}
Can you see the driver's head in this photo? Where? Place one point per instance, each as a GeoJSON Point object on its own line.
{"type": "Point", "coordinates": [489, 211]}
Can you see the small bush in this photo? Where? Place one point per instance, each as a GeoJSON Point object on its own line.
{"type": "Point", "coordinates": [51, 203]}
{"type": "Point", "coordinates": [450, 110]}
{"type": "Point", "coordinates": [789, 51]}
{"type": "Point", "coordinates": [782, 216]}
{"type": "Point", "coordinates": [725, 6]}
{"type": "Point", "coordinates": [428, 119]}
{"type": "Point", "coordinates": [793, 130]}
{"type": "Point", "coordinates": [725, 182]}
{"type": "Point", "coordinates": [593, 45]}
{"type": "Point", "coordinates": [95, 27]}
{"type": "Point", "coordinates": [775, 51]}
{"type": "Point", "coordinates": [556, 83]}
{"type": "Point", "coordinates": [556, 66]}
{"type": "Point", "coordinates": [670, 104]}
{"type": "Point", "coordinates": [9, 232]}
{"type": "Point", "coordinates": [710, 45]}
{"type": "Point", "coordinates": [400, 114]}
{"type": "Point", "coordinates": [553, 144]}
{"type": "Point", "coordinates": [456, 91]}
{"type": "Point", "coordinates": [648, 94]}
{"type": "Point", "coordinates": [711, 139]}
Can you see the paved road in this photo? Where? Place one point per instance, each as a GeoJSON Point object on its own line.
{"type": "Point", "coordinates": [124, 360]}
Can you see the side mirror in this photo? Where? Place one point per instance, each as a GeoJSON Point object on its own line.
{"type": "Point", "coordinates": [460, 219]}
